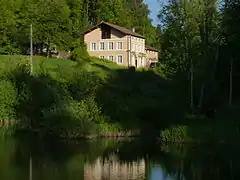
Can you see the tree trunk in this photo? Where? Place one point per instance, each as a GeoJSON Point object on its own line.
{"type": "Point", "coordinates": [230, 82]}
{"type": "Point", "coordinates": [191, 85]}
{"type": "Point", "coordinates": [215, 63]}
{"type": "Point", "coordinates": [201, 96]}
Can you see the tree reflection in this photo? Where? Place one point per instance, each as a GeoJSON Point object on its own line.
{"type": "Point", "coordinates": [202, 161]}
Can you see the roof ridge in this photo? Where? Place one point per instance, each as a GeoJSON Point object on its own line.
{"type": "Point", "coordinates": [117, 27]}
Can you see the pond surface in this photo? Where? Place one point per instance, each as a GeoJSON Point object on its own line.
{"type": "Point", "coordinates": [132, 159]}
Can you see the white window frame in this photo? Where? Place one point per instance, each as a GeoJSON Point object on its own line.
{"type": "Point", "coordinates": [91, 46]}
{"type": "Point", "coordinates": [117, 59]}
{"type": "Point", "coordinates": [109, 45]}
{"type": "Point", "coordinates": [118, 47]}
{"type": "Point", "coordinates": [133, 47]}
{"type": "Point", "coordinates": [104, 48]}
{"type": "Point", "coordinates": [111, 59]}
{"type": "Point", "coordinates": [102, 57]}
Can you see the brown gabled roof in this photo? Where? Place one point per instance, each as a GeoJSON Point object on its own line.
{"type": "Point", "coordinates": [118, 28]}
{"type": "Point", "coordinates": [150, 48]}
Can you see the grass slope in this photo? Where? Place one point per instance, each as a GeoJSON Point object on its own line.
{"type": "Point", "coordinates": [133, 99]}
{"type": "Point", "coordinates": [102, 67]}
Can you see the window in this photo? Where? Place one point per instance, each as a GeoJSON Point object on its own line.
{"type": "Point", "coordinates": [110, 45]}
{"type": "Point", "coordinates": [94, 47]}
{"type": "Point", "coordinates": [106, 32]}
{"type": "Point", "coordinates": [133, 47]}
{"type": "Point", "coordinates": [102, 46]}
{"type": "Point", "coordinates": [120, 59]}
{"type": "Point", "coordinates": [119, 45]}
{"type": "Point", "coordinates": [102, 57]}
{"type": "Point", "coordinates": [110, 58]}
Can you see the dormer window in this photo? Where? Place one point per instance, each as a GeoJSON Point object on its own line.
{"type": "Point", "coordinates": [106, 32]}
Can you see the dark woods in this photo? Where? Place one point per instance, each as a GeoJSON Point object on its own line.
{"type": "Point", "coordinates": [199, 43]}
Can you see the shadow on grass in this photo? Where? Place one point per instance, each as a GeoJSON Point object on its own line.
{"type": "Point", "coordinates": [141, 99]}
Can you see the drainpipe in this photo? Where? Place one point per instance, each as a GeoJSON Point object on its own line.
{"type": "Point", "coordinates": [130, 50]}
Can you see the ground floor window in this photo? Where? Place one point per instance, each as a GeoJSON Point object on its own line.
{"type": "Point", "coordinates": [102, 57]}
{"type": "Point", "coordinates": [110, 58]}
{"type": "Point", "coordinates": [120, 59]}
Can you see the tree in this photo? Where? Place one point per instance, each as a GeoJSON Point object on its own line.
{"type": "Point", "coordinates": [188, 42]}
{"type": "Point", "coordinates": [7, 27]}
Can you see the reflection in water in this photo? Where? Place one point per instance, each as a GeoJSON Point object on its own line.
{"type": "Point", "coordinates": [116, 160]}
{"type": "Point", "coordinates": [112, 168]}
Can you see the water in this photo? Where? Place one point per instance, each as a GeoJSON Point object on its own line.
{"type": "Point", "coordinates": [34, 159]}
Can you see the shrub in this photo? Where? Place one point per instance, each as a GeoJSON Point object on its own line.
{"type": "Point", "coordinates": [81, 83]}
{"type": "Point", "coordinates": [109, 129]}
{"type": "Point", "coordinates": [175, 134]}
{"type": "Point", "coordinates": [79, 54]}
{"type": "Point", "coordinates": [73, 120]}
{"type": "Point", "coordinates": [132, 68]}
{"type": "Point", "coordinates": [8, 100]}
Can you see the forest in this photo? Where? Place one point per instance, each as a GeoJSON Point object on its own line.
{"type": "Point", "coordinates": [193, 90]}
{"type": "Point", "coordinates": [62, 22]}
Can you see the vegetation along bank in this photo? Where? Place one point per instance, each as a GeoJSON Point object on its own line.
{"type": "Point", "coordinates": [192, 95]}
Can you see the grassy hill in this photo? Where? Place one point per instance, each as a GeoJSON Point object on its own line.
{"type": "Point", "coordinates": [98, 92]}
{"type": "Point", "coordinates": [51, 65]}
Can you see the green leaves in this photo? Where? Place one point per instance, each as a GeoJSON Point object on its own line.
{"type": "Point", "coordinates": [61, 22]}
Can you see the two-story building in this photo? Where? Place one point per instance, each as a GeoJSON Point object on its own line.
{"type": "Point", "coordinates": [119, 44]}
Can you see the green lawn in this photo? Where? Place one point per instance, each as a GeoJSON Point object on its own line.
{"type": "Point", "coordinates": [101, 67]}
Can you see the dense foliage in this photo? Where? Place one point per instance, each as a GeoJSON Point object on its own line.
{"type": "Point", "coordinates": [199, 42]}
{"type": "Point", "coordinates": [199, 67]}
{"type": "Point", "coordinates": [61, 22]}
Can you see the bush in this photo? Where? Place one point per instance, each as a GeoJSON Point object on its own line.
{"type": "Point", "coordinates": [73, 120]}
{"type": "Point", "coordinates": [132, 68]}
{"type": "Point", "coordinates": [81, 83]}
{"type": "Point", "coordinates": [175, 134]}
{"type": "Point", "coordinates": [8, 100]}
{"type": "Point", "coordinates": [79, 54]}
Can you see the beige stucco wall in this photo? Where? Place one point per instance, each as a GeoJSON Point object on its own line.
{"type": "Point", "coordinates": [137, 48]}
{"type": "Point", "coordinates": [95, 37]}
{"type": "Point", "coordinates": [152, 56]}
{"type": "Point", "coordinates": [133, 51]}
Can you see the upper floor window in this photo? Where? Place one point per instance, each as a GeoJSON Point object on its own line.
{"type": "Point", "coordinates": [110, 45]}
{"type": "Point", "coordinates": [102, 46]}
{"type": "Point", "coordinates": [119, 45]}
{"type": "Point", "coordinates": [106, 32]}
{"type": "Point", "coordinates": [94, 47]}
{"type": "Point", "coordinates": [120, 59]}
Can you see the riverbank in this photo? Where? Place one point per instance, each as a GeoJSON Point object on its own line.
{"type": "Point", "coordinates": [223, 127]}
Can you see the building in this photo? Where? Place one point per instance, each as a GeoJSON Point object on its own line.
{"type": "Point", "coordinates": [120, 45]}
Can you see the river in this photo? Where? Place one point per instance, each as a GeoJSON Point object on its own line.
{"type": "Point", "coordinates": [130, 159]}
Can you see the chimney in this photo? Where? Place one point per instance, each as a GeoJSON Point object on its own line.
{"type": "Point", "coordinates": [133, 29]}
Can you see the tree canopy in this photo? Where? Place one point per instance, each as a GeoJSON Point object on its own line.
{"type": "Point", "coordinates": [61, 22]}
{"type": "Point", "coordinates": [199, 44]}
